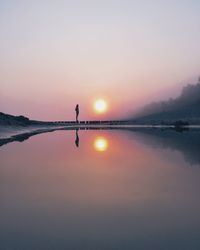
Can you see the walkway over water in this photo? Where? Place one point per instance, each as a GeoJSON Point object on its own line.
{"type": "Point", "coordinates": [94, 122]}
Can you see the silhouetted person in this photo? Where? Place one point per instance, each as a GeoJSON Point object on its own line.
{"type": "Point", "coordinates": [77, 112]}
{"type": "Point", "coordinates": [77, 139]}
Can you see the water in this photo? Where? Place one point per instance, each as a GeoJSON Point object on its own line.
{"type": "Point", "coordinates": [101, 189]}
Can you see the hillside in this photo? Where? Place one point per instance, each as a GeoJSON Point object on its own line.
{"type": "Point", "coordinates": [6, 119]}
{"type": "Point", "coordinates": [186, 107]}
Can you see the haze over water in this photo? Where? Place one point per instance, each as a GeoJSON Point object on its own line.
{"type": "Point", "coordinates": [116, 190]}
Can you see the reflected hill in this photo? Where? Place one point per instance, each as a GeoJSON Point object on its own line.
{"type": "Point", "coordinates": [187, 141]}
{"type": "Point", "coordinates": [21, 137]}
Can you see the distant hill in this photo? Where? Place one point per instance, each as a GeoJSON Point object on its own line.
{"type": "Point", "coordinates": [186, 107]}
{"type": "Point", "coordinates": [12, 120]}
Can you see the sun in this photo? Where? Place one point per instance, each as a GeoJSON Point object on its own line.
{"type": "Point", "coordinates": [100, 106]}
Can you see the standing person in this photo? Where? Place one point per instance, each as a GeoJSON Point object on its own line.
{"type": "Point", "coordinates": [77, 112]}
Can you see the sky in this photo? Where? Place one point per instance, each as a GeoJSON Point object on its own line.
{"type": "Point", "coordinates": [55, 54]}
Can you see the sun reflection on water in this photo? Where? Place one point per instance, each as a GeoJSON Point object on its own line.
{"type": "Point", "coordinates": [101, 144]}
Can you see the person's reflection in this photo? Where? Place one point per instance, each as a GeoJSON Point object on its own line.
{"type": "Point", "coordinates": [77, 139]}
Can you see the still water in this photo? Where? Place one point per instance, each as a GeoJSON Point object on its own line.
{"type": "Point", "coordinates": [101, 189]}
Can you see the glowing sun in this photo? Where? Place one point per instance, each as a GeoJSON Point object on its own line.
{"type": "Point", "coordinates": [100, 106]}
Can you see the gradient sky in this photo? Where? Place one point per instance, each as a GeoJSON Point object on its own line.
{"type": "Point", "coordinates": [54, 54]}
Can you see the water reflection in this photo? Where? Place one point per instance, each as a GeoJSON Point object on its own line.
{"type": "Point", "coordinates": [137, 196]}
{"type": "Point", "coordinates": [187, 142]}
{"type": "Point", "coordinates": [101, 144]}
{"type": "Point", "coordinates": [77, 139]}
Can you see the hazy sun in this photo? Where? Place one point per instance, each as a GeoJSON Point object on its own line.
{"type": "Point", "coordinates": [100, 106]}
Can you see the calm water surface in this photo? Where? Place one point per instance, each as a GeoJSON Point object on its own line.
{"type": "Point", "coordinates": [101, 190]}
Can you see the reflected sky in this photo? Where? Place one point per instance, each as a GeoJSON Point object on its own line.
{"type": "Point", "coordinates": [55, 195]}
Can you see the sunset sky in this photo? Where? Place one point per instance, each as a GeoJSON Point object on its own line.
{"type": "Point", "coordinates": [55, 54]}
